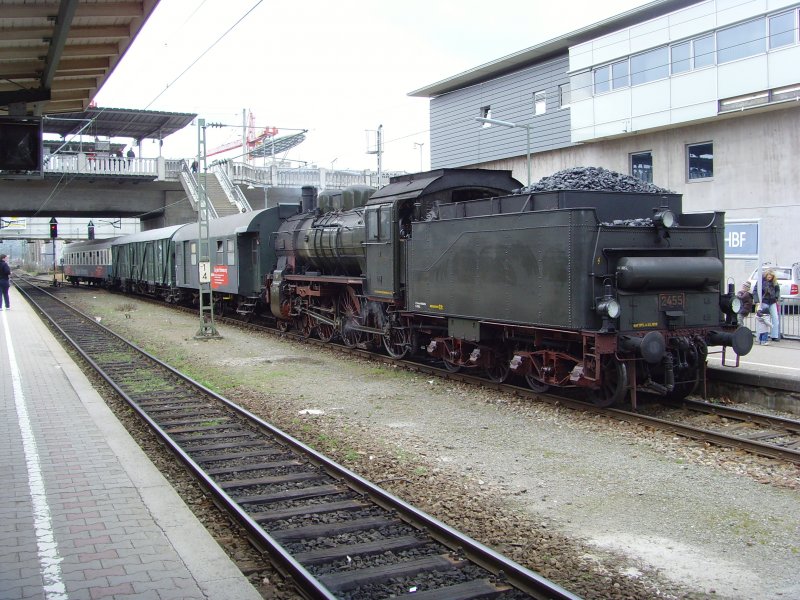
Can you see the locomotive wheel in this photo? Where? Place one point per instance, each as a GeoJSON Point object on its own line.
{"type": "Point", "coordinates": [538, 386]}
{"type": "Point", "coordinates": [398, 340]}
{"type": "Point", "coordinates": [614, 386]}
{"type": "Point", "coordinates": [500, 368]}
{"type": "Point", "coordinates": [305, 324]}
{"type": "Point", "coordinates": [349, 311]}
{"type": "Point", "coordinates": [325, 331]}
{"type": "Point", "coordinates": [451, 367]}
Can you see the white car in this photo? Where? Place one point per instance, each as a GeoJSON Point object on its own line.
{"type": "Point", "coordinates": [788, 278]}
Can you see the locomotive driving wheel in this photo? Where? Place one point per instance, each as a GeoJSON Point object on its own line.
{"type": "Point", "coordinates": [397, 340]}
{"type": "Point", "coordinates": [325, 331]}
{"type": "Point", "coordinates": [614, 383]}
{"type": "Point", "coordinates": [349, 312]}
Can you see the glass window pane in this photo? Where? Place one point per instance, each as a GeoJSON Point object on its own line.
{"type": "Point", "coordinates": [619, 74]}
{"type": "Point", "coordinates": [701, 160]}
{"type": "Point", "coordinates": [781, 30]}
{"type": "Point", "coordinates": [231, 252]}
{"type": "Point", "coordinates": [539, 103]}
{"type": "Point", "coordinates": [386, 222]}
{"type": "Point", "coordinates": [650, 66]}
{"type": "Point", "coordinates": [563, 93]}
{"type": "Point", "coordinates": [681, 53]}
{"type": "Point", "coordinates": [602, 80]}
{"type": "Point", "coordinates": [580, 86]}
{"type": "Point", "coordinates": [372, 224]}
{"type": "Point", "coordinates": [704, 51]}
{"type": "Point", "coordinates": [740, 41]}
{"type": "Point", "coordinates": [642, 166]}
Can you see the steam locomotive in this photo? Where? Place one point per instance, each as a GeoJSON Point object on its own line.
{"type": "Point", "coordinates": [613, 293]}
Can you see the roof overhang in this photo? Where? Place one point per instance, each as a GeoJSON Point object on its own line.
{"type": "Point", "coordinates": [552, 48]}
{"type": "Point", "coordinates": [56, 54]}
{"type": "Point", "coordinates": [118, 122]}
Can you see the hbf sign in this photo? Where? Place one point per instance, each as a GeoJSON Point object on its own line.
{"type": "Point", "coordinates": [741, 239]}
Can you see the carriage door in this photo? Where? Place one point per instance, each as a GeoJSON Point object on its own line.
{"type": "Point", "coordinates": [380, 251]}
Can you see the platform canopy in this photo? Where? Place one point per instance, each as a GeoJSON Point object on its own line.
{"type": "Point", "coordinates": [56, 54]}
{"type": "Point", "coordinates": [118, 122]}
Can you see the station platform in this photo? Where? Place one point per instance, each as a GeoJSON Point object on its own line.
{"type": "Point", "coordinates": [776, 366]}
{"type": "Point", "coordinates": [84, 514]}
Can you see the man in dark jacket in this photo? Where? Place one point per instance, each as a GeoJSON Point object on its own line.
{"type": "Point", "coordinates": [5, 282]}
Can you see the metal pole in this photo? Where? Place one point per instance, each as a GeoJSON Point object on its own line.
{"type": "Point", "coordinates": [528, 147]}
{"type": "Point", "coordinates": [208, 329]}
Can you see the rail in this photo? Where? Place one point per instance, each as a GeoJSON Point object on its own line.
{"type": "Point", "coordinates": [276, 487]}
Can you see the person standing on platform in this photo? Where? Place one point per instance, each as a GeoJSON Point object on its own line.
{"type": "Point", "coordinates": [5, 282]}
{"type": "Point", "coordinates": [770, 294]}
{"type": "Point", "coordinates": [131, 155]}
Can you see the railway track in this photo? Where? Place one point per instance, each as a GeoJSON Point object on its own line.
{"type": "Point", "coordinates": [746, 430]}
{"type": "Point", "coordinates": [334, 533]}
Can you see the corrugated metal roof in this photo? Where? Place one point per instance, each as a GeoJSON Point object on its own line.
{"type": "Point", "coordinates": [56, 54]}
{"type": "Point", "coordinates": [118, 122]}
{"type": "Point", "coordinates": [551, 48]}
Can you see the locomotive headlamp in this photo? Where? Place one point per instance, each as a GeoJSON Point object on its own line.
{"type": "Point", "coordinates": [665, 218]}
{"type": "Point", "coordinates": [608, 307]}
{"type": "Point", "coordinates": [730, 304]}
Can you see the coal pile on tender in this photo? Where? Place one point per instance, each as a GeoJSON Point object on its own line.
{"type": "Point", "coordinates": [593, 178]}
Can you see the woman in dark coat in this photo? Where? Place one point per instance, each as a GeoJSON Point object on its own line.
{"type": "Point", "coordinates": [5, 282]}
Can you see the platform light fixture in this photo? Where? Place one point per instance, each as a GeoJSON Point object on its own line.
{"type": "Point", "coordinates": [509, 124]}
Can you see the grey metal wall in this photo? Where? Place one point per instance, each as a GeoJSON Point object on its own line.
{"type": "Point", "coordinates": [458, 140]}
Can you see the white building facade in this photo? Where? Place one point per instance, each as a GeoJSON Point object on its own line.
{"type": "Point", "coordinates": [701, 98]}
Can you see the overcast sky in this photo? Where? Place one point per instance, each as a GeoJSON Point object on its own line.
{"type": "Point", "coordinates": [337, 68]}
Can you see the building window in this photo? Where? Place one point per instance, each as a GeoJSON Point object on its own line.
{"type": "Point", "coordinates": [564, 95]}
{"type": "Point", "coordinates": [602, 79]}
{"type": "Point", "coordinates": [681, 57]}
{"type": "Point", "coordinates": [781, 30]}
{"type": "Point", "coordinates": [649, 66]}
{"type": "Point", "coordinates": [642, 166]}
{"type": "Point", "coordinates": [703, 51]}
{"type": "Point", "coordinates": [700, 160]}
{"type": "Point", "coordinates": [539, 102]}
{"type": "Point", "coordinates": [740, 41]}
{"type": "Point", "coordinates": [486, 113]}
{"type": "Point", "coordinates": [580, 86]}
{"type": "Point", "coordinates": [619, 74]}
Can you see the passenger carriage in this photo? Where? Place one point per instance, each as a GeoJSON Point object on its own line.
{"type": "Point", "coordinates": [88, 262]}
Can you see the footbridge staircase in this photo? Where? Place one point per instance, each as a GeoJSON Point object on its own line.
{"type": "Point", "coordinates": [224, 197]}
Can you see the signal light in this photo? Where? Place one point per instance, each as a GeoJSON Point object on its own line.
{"type": "Point", "coordinates": [53, 228]}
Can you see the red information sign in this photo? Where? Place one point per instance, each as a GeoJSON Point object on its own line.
{"type": "Point", "coordinates": [219, 277]}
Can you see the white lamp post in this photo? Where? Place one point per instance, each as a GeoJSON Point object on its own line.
{"type": "Point", "coordinates": [510, 124]}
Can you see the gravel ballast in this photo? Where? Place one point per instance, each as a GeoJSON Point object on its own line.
{"type": "Point", "coordinates": [606, 509]}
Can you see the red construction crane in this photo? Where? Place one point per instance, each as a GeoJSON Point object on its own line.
{"type": "Point", "coordinates": [253, 139]}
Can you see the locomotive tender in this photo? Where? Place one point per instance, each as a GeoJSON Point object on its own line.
{"type": "Point", "coordinates": [610, 292]}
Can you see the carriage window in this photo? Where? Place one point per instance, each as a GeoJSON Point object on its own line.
{"type": "Point", "coordinates": [220, 252]}
{"type": "Point", "coordinates": [231, 252]}
{"type": "Point", "coordinates": [386, 223]}
{"type": "Point", "coordinates": [254, 251]}
{"type": "Point", "coordinates": [193, 251]}
{"type": "Point", "coordinates": [372, 224]}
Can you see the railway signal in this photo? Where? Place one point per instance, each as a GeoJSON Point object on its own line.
{"type": "Point", "coordinates": [53, 228]}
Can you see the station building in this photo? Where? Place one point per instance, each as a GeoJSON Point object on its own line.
{"type": "Point", "coordinates": [699, 97]}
